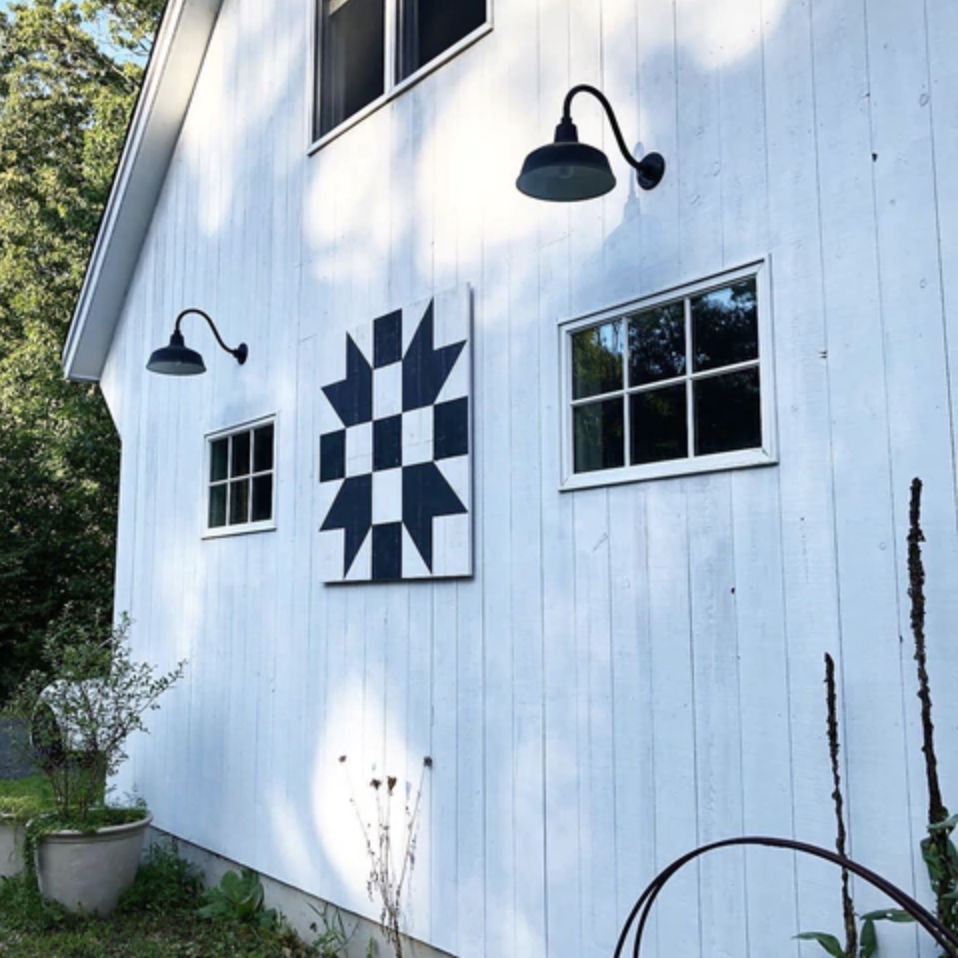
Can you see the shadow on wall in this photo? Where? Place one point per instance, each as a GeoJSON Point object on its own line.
{"type": "Point", "coordinates": [431, 204]}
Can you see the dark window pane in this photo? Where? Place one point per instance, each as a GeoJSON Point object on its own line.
{"type": "Point", "coordinates": [432, 26]}
{"type": "Point", "coordinates": [725, 326]}
{"type": "Point", "coordinates": [239, 502]}
{"type": "Point", "coordinates": [239, 454]}
{"type": "Point", "coordinates": [262, 498]}
{"type": "Point", "coordinates": [656, 344]}
{"type": "Point", "coordinates": [219, 452]}
{"type": "Point", "coordinates": [217, 506]}
{"type": "Point", "coordinates": [658, 424]}
{"type": "Point", "coordinates": [352, 71]}
{"type": "Point", "coordinates": [598, 436]}
{"type": "Point", "coordinates": [263, 448]}
{"type": "Point", "coordinates": [597, 360]}
{"type": "Point", "coordinates": [727, 413]}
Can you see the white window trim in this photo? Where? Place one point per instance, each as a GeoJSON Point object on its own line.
{"type": "Point", "coordinates": [242, 529]}
{"type": "Point", "coordinates": [766, 455]}
{"type": "Point", "coordinates": [393, 91]}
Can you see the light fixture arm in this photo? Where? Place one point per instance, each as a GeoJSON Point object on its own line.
{"type": "Point", "coordinates": [648, 170]}
{"type": "Point", "coordinates": [241, 351]}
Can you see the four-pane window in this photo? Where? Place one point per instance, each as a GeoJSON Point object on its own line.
{"type": "Point", "coordinates": [241, 479]}
{"type": "Point", "coordinates": [367, 47]}
{"type": "Point", "coordinates": [677, 385]}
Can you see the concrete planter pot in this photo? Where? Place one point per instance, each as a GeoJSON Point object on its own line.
{"type": "Point", "coordinates": [88, 872]}
{"type": "Point", "coordinates": [11, 836]}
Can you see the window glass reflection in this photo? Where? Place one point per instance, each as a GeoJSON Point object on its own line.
{"type": "Point", "coordinates": [728, 413]}
{"type": "Point", "coordinates": [725, 326]}
{"type": "Point", "coordinates": [657, 344]}
{"type": "Point", "coordinates": [239, 502]}
{"type": "Point", "coordinates": [263, 448]}
{"type": "Point", "coordinates": [659, 425]}
{"type": "Point", "coordinates": [597, 360]}
{"type": "Point", "coordinates": [219, 456]}
{"type": "Point", "coordinates": [239, 454]}
{"type": "Point", "coordinates": [598, 435]}
{"type": "Point", "coordinates": [217, 506]}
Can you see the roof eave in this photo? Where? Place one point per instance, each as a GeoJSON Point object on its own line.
{"type": "Point", "coordinates": [171, 76]}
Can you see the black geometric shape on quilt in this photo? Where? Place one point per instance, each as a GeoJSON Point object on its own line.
{"type": "Point", "coordinates": [352, 397]}
{"type": "Point", "coordinates": [450, 428]}
{"type": "Point", "coordinates": [424, 368]}
{"type": "Point", "coordinates": [387, 443]}
{"type": "Point", "coordinates": [387, 339]}
{"type": "Point", "coordinates": [352, 511]}
{"type": "Point", "coordinates": [387, 551]}
{"type": "Point", "coordinates": [332, 456]}
{"type": "Point", "coordinates": [426, 495]}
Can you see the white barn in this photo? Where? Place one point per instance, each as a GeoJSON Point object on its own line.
{"type": "Point", "coordinates": [572, 498]}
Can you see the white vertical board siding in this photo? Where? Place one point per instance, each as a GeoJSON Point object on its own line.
{"type": "Point", "coordinates": [630, 671]}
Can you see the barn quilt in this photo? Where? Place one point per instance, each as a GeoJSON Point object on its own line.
{"type": "Point", "coordinates": [395, 446]}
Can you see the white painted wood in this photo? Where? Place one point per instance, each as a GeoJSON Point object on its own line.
{"type": "Point", "coordinates": [632, 669]}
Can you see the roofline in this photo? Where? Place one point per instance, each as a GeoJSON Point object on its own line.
{"type": "Point", "coordinates": [171, 74]}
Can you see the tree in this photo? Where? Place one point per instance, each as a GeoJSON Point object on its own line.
{"type": "Point", "coordinates": [68, 81]}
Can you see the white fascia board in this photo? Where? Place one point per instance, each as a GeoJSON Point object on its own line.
{"type": "Point", "coordinates": [174, 67]}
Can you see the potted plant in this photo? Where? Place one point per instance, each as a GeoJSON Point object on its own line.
{"type": "Point", "coordinates": [81, 709]}
{"type": "Point", "coordinates": [20, 800]}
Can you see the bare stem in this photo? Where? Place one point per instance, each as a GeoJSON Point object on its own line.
{"type": "Point", "coordinates": [916, 592]}
{"type": "Point", "coordinates": [848, 907]}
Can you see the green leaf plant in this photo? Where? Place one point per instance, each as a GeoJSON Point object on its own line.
{"type": "Point", "coordinates": [81, 708]}
{"type": "Point", "coordinates": [239, 898]}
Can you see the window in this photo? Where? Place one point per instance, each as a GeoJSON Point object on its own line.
{"type": "Point", "coordinates": [241, 479]}
{"type": "Point", "coordinates": [369, 47]}
{"type": "Point", "coordinates": [674, 384]}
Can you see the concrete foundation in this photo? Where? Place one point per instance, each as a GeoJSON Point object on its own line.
{"type": "Point", "coordinates": [301, 910]}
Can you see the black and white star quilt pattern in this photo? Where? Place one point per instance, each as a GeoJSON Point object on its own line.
{"type": "Point", "coordinates": [395, 447]}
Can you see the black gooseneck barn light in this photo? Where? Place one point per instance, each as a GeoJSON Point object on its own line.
{"type": "Point", "coordinates": [178, 359]}
{"type": "Point", "coordinates": [566, 170]}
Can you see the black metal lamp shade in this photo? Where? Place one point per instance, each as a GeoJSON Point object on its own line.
{"type": "Point", "coordinates": [177, 359]}
{"type": "Point", "coordinates": [567, 171]}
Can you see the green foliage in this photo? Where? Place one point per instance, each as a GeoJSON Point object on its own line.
{"type": "Point", "coordinates": [23, 798]}
{"type": "Point", "coordinates": [165, 882]}
{"type": "Point", "coordinates": [239, 898]}
{"type": "Point", "coordinates": [82, 708]}
{"type": "Point", "coordinates": [867, 935]}
{"type": "Point", "coordinates": [333, 941]}
{"type": "Point", "coordinates": [829, 942]}
{"type": "Point", "coordinates": [64, 105]}
{"type": "Point", "coordinates": [157, 918]}
{"type": "Point", "coordinates": [23, 909]}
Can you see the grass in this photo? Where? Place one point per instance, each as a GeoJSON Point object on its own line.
{"type": "Point", "coordinates": [157, 918]}
{"type": "Point", "coordinates": [25, 797]}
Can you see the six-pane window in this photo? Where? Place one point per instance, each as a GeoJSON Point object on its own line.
{"type": "Point", "coordinates": [369, 46]}
{"type": "Point", "coordinates": [241, 472]}
{"type": "Point", "coordinates": [677, 381]}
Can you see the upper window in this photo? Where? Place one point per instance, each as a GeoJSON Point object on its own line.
{"type": "Point", "coordinates": [678, 383]}
{"type": "Point", "coordinates": [241, 479]}
{"type": "Point", "coordinates": [368, 47]}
